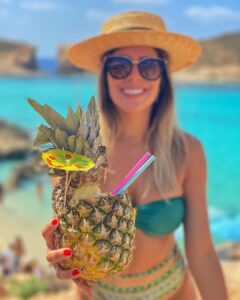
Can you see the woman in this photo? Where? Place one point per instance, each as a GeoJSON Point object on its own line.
{"type": "Point", "coordinates": [135, 56]}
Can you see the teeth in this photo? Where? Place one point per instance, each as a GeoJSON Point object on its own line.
{"type": "Point", "coordinates": [133, 91]}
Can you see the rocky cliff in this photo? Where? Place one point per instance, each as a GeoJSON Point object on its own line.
{"type": "Point", "coordinates": [14, 141]}
{"type": "Point", "coordinates": [64, 65]}
{"type": "Point", "coordinates": [220, 61]}
{"type": "Point", "coordinates": [17, 58]}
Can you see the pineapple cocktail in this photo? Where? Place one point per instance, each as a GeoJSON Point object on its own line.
{"type": "Point", "coordinates": [99, 227]}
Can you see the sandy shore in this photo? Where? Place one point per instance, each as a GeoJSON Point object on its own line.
{"type": "Point", "coordinates": [207, 74]}
{"type": "Point", "coordinates": [231, 271]}
{"type": "Point", "coordinates": [13, 225]}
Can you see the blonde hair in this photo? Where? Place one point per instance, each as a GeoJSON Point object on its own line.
{"type": "Point", "coordinates": [165, 139]}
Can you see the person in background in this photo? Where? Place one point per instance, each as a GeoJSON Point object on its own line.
{"type": "Point", "coordinates": [8, 260]}
{"type": "Point", "coordinates": [135, 57]}
{"type": "Point", "coordinates": [1, 193]}
{"type": "Point", "coordinates": [19, 250]}
{"type": "Point", "coordinates": [40, 188]}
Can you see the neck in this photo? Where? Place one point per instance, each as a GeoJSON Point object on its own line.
{"type": "Point", "coordinates": [133, 127]}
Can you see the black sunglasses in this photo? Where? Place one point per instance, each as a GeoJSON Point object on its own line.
{"type": "Point", "coordinates": [120, 67]}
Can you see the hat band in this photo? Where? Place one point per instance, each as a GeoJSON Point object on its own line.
{"type": "Point", "coordinates": [129, 28]}
{"type": "Point", "coordinates": [137, 28]}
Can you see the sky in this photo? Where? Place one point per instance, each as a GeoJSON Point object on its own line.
{"type": "Point", "coordinates": [47, 24]}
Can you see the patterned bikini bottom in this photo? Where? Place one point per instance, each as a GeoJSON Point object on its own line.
{"type": "Point", "coordinates": [159, 283]}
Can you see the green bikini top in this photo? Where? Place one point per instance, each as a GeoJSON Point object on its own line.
{"type": "Point", "coordinates": [160, 217]}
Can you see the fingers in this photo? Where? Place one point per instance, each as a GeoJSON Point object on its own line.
{"type": "Point", "coordinates": [83, 283]}
{"type": "Point", "coordinates": [74, 275]}
{"type": "Point", "coordinates": [66, 274]}
{"type": "Point", "coordinates": [55, 256]}
{"type": "Point", "coordinates": [47, 233]}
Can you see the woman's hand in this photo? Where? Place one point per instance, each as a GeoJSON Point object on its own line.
{"type": "Point", "coordinates": [54, 256]}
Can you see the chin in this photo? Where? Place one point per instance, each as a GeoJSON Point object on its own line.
{"type": "Point", "coordinates": [134, 109]}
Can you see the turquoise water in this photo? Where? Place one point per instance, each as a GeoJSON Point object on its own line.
{"type": "Point", "coordinates": [210, 112]}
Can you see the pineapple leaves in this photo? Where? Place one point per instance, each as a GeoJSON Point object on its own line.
{"type": "Point", "coordinates": [56, 117]}
{"type": "Point", "coordinates": [53, 118]}
{"type": "Point", "coordinates": [83, 131]}
{"type": "Point", "coordinates": [79, 144]}
{"type": "Point", "coordinates": [72, 122]}
{"type": "Point", "coordinates": [92, 107]}
{"type": "Point", "coordinates": [79, 132]}
{"type": "Point", "coordinates": [79, 113]}
{"type": "Point", "coordinates": [92, 135]}
{"type": "Point", "coordinates": [61, 139]}
{"type": "Point", "coordinates": [40, 109]}
{"type": "Point", "coordinates": [45, 135]}
{"type": "Point", "coordinates": [72, 142]}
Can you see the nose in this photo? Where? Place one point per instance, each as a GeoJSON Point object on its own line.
{"type": "Point", "coordinates": [135, 73]}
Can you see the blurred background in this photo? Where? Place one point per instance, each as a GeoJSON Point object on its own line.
{"type": "Point", "coordinates": [34, 38]}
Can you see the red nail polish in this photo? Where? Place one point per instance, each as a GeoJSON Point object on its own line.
{"type": "Point", "coordinates": [67, 252]}
{"type": "Point", "coordinates": [75, 272]}
{"type": "Point", "coordinates": [54, 222]}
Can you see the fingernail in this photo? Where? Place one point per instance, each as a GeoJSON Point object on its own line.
{"type": "Point", "coordinates": [67, 252]}
{"type": "Point", "coordinates": [54, 222]}
{"type": "Point", "coordinates": [75, 272]}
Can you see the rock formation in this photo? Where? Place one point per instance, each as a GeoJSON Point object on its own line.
{"type": "Point", "coordinates": [17, 58]}
{"type": "Point", "coordinates": [14, 141]}
{"type": "Point", "coordinates": [219, 62]}
{"type": "Point", "coordinates": [64, 65]}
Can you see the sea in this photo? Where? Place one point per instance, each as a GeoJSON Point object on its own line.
{"type": "Point", "coordinates": [211, 112]}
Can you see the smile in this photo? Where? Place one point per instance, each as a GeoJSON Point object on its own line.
{"type": "Point", "coordinates": [133, 92]}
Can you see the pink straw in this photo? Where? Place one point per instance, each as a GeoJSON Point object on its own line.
{"type": "Point", "coordinates": [131, 172]}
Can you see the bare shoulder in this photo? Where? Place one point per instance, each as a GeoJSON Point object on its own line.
{"type": "Point", "coordinates": [194, 147]}
{"type": "Point", "coordinates": [192, 142]}
{"type": "Point", "coordinates": [195, 179]}
{"type": "Point", "coordinates": [196, 164]}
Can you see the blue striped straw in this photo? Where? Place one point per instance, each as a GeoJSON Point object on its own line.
{"type": "Point", "coordinates": [139, 172]}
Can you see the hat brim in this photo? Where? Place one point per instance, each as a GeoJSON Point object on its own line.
{"type": "Point", "coordinates": [183, 50]}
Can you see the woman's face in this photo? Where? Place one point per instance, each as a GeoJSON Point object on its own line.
{"type": "Point", "coordinates": [134, 93]}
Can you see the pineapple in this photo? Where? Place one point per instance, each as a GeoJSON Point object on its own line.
{"type": "Point", "coordinates": [97, 226]}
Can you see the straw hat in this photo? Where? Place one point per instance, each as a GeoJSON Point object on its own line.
{"type": "Point", "coordinates": [135, 29]}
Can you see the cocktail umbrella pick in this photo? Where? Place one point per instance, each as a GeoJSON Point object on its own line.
{"type": "Point", "coordinates": [68, 161]}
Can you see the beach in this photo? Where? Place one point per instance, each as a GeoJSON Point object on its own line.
{"type": "Point", "coordinates": [211, 112]}
{"type": "Point", "coordinates": [198, 72]}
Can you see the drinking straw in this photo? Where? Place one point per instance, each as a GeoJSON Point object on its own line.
{"type": "Point", "coordinates": [139, 172]}
{"type": "Point", "coordinates": [142, 160]}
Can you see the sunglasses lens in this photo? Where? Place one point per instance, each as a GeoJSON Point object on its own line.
{"type": "Point", "coordinates": [151, 68]}
{"type": "Point", "coordinates": [118, 67]}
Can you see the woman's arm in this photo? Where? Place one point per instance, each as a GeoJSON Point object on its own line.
{"type": "Point", "coordinates": [201, 255]}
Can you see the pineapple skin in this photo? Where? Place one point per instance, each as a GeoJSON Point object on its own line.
{"type": "Point", "coordinates": [98, 227]}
